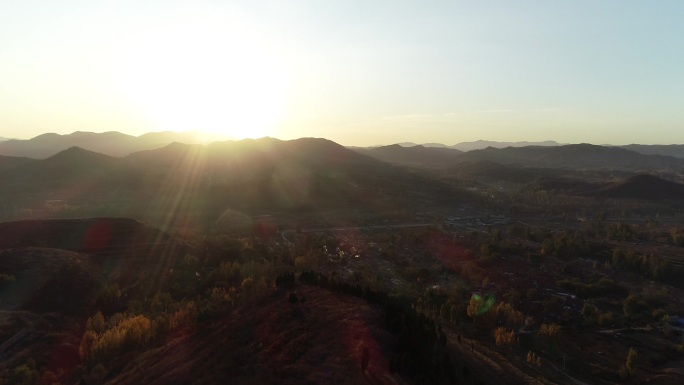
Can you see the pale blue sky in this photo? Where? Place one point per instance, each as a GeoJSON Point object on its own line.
{"type": "Point", "coordinates": [357, 72]}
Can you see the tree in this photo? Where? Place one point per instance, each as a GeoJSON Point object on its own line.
{"type": "Point", "coordinates": [514, 318]}
{"type": "Point", "coordinates": [87, 342]}
{"type": "Point", "coordinates": [6, 280]}
{"type": "Point", "coordinates": [636, 306]}
{"type": "Point", "coordinates": [631, 363]}
{"type": "Point", "coordinates": [590, 313]}
{"type": "Point", "coordinates": [23, 375]}
{"type": "Point", "coordinates": [504, 337]}
{"type": "Point", "coordinates": [606, 319]}
{"type": "Point", "coordinates": [667, 329]}
{"type": "Point", "coordinates": [550, 330]}
{"type": "Point", "coordinates": [533, 359]}
{"type": "Point", "coordinates": [479, 305]}
{"type": "Point", "coordinates": [96, 323]}
{"type": "Point", "coordinates": [551, 333]}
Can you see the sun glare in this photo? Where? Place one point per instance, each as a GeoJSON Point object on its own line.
{"type": "Point", "coordinates": [205, 73]}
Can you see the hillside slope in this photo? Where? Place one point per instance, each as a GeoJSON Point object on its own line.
{"type": "Point", "coordinates": [646, 187]}
{"type": "Point", "coordinates": [92, 235]}
{"type": "Point", "coordinates": [47, 280]}
{"type": "Point", "coordinates": [319, 341]}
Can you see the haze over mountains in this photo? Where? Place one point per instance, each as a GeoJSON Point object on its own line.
{"type": "Point", "coordinates": [110, 143]}
{"type": "Point", "coordinates": [206, 183]}
{"type": "Point", "coordinates": [572, 156]}
{"type": "Point", "coordinates": [575, 156]}
{"type": "Point", "coordinates": [117, 144]}
{"type": "Point", "coordinates": [480, 144]}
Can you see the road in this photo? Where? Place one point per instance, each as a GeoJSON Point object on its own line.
{"type": "Point", "coordinates": [352, 228]}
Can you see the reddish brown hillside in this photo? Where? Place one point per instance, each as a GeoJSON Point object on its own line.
{"type": "Point", "coordinates": [46, 280]}
{"type": "Point", "coordinates": [319, 341]}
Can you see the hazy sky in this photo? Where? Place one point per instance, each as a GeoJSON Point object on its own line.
{"type": "Point", "coordinates": [357, 72]}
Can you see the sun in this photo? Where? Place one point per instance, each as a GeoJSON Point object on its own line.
{"type": "Point", "coordinates": [206, 73]}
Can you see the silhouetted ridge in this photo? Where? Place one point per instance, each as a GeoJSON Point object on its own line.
{"type": "Point", "coordinates": [420, 156]}
{"type": "Point", "coordinates": [676, 150]}
{"type": "Point", "coordinates": [78, 154]}
{"type": "Point", "coordinates": [112, 143]}
{"type": "Point", "coordinates": [645, 186]}
{"type": "Point", "coordinates": [574, 156]}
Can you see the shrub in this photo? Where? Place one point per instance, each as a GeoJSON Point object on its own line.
{"type": "Point", "coordinates": [96, 323]}
{"type": "Point", "coordinates": [6, 280]}
{"type": "Point", "coordinates": [606, 319]}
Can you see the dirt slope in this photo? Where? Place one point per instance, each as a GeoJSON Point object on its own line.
{"type": "Point", "coordinates": [319, 341]}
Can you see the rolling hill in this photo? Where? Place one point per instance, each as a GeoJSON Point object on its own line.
{"type": "Point", "coordinates": [61, 264]}
{"type": "Point", "coordinates": [75, 170]}
{"type": "Point", "coordinates": [646, 187]}
{"type": "Point", "coordinates": [47, 280]}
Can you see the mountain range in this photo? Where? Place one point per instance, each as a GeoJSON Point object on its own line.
{"type": "Point", "coordinates": [575, 156]}
{"type": "Point", "coordinates": [571, 156]}
{"type": "Point", "coordinates": [204, 182]}
{"type": "Point", "coordinates": [212, 183]}
{"type": "Point", "coordinates": [420, 156]}
{"type": "Point", "coordinates": [110, 143]}
{"type": "Point", "coordinates": [480, 144]}
{"type": "Point", "coordinates": [676, 150]}
{"type": "Point", "coordinates": [118, 144]}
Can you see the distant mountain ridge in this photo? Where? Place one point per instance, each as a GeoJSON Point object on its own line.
{"type": "Point", "coordinates": [574, 156]}
{"type": "Point", "coordinates": [111, 143]}
{"type": "Point", "coordinates": [421, 156]}
{"type": "Point", "coordinates": [117, 144]}
{"type": "Point", "coordinates": [676, 150]}
{"type": "Point", "coordinates": [479, 144]}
